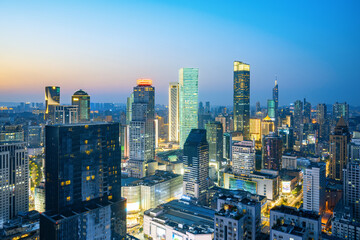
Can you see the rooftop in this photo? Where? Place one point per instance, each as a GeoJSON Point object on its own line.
{"type": "Point", "coordinates": [296, 212]}
{"type": "Point", "coordinates": [184, 217]}
{"type": "Point", "coordinates": [230, 211]}
{"type": "Point", "coordinates": [160, 176]}
{"type": "Point", "coordinates": [290, 229]}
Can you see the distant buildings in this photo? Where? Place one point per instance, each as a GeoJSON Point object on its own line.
{"type": "Point", "coordinates": [340, 110]}
{"type": "Point", "coordinates": [242, 99]}
{"type": "Point", "coordinates": [188, 102]}
{"type": "Point", "coordinates": [196, 165]}
{"type": "Point", "coordinates": [14, 180]}
{"type": "Point", "coordinates": [174, 112]}
{"type": "Point", "coordinates": [81, 99]}
{"type": "Point", "coordinates": [11, 133]}
{"type": "Point", "coordinates": [339, 140]}
{"type": "Point", "coordinates": [314, 187]}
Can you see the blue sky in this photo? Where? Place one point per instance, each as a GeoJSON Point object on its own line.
{"type": "Point", "coordinates": [312, 47]}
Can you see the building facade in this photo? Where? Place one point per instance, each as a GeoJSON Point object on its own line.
{"type": "Point", "coordinates": [174, 112]}
{"type": "Point", "coordinates": [188, 102]}
{"type": "Point", "coordinates": [272, 152]}
{"type": "Point", "coordinates": [243, 157]}
{"type": "Point", "coordinates": [14, 180]}
{"type": "Point", "coordinates": [196, 165]}
{"type": "Point", "coordinates": [242, 98]}
{"type": "Point", "coordinates": [52, 97]}
{"type": "Point", "coordinates": [81, 99]}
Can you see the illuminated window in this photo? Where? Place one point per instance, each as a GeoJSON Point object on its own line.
{"type": "Point", "coordinates": [110, 197]}
{"type": "Point", "coordinates": [87, 167]}
{"type": "Point", "coordinates": [86, 126]}
{"type": "Point", "coordinates": [93, 177]}
{"type": "Point", "coordinates": [68, 198]}
{"type": "Point", "coordinates": [110, 187]}
{"type": "Point", "coordinates": [86, 141]}
{"type": "Point", "coordinates": [88, 178]}
{"type": "Point", "coordinates": [62, 183]}
{"type": "Point", "coordinates": [68, 182]}
{"type": "Point", "coordinates": [88, 198]}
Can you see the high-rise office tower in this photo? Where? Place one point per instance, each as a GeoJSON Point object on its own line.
{"type": "Point", "coordinates": [174, 112]}
{"type": "Point", "coordinates": [322, 120]}
{"type": "Point", "coordinates": [340, 110]}
{"type": "Point", "coordinates": [272, 152]}
{"type": "Point", "coordinates": [243, 157]}
{"type": "Point", "coordinates": [52, 97]}
{"type": "Point", "coordinates": [276, 100]}
{"type": "Point", "coordinates": [307, 111]}
{"type": "Point", "coordinates": [129, 102]}
{"type": "Point", "coordinates": [242, 98]}
{"type": "Point", "coordinates": [339, 140]}
{"type": "Point", "coordinates": [142, 128]}
{"type": "Point", "coordinates": [352, 188]}
{"type": "Point", "coordinates": [214, 135]}
{"type": "Point", "coordinates": [63, 114]}
{"type": "Point", "coordinates": [83, 183]}
{"type": "Point", "coordinates": [258, 107]}
{"type": "Point", "coordinates": [14, 180]}
{"type": "Point", "coordinates": [267, 126]}
{"type": "Point", "coordinates": [196, 165]}
{"type": "Point", "coordinates": [82, 100]}
{"type": "Point", "coordinates": [271, 109]}
{"type": "Point", "coordinates": [188, 101]}
{"type": "Point", "coordinates": [298, 118]}
{"type": "Point", "coordinates": [352, 179]}
{"type": "Point", "coordinates": [314, 187]}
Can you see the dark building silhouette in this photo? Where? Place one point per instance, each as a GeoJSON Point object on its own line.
{"type": "Point", "coordinates": [272, 152]}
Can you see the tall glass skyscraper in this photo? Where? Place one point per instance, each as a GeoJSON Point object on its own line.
{"type": "Point", "coordinates": [242, 98]}
{"type": "Point", "coordinates": [188, 102]}
{"type": "Point", "coordinates": [82, 100]}
{"type": "Point", "coordinates": [142, 128]}
{"type": "Point", "coordinates": [276, 100]}
{"type": "Point", "coordinates": [271, 109]}
{"type": "Point", "coordinates": [174, 112]}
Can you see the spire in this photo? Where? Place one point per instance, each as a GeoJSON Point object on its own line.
{"type": "Point", "coordinates": [276, 80]}
{"type": "Point", "coordinates": [341, 122]}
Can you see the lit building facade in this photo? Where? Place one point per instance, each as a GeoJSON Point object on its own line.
{"type": "Point", "coordinates": [52, 97]}
{"type": "Point", "coordinates": [214, 136]}
{"type": "Point", "coordinates": [81, 99]}
{"type": "Point", "coordinates": [243, 157]}
{"type": "Point", "coordinates": [314, 187]}
{"type": "Point", "coordinates": [242, 98]}
{"type": "Point", "coordinates": [142, 128]}
{"type": "Point", "coordinates": [14, 180]}
{"type": "Point", "coordinates": [339, 141]}
{"type": "Point", "coordinates": [188, 102]}
{"type": "Point", "coordinates": [174, 112]}
{"type": "Point", "coordinates": [272, 152]}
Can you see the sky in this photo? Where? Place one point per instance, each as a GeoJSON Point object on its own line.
{"type": "Point", "coordinates": [312, 47]}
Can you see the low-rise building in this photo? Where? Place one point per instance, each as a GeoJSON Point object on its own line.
{"type": "Point", "coordinates": [179, 220]}
{"type": "Point", "coordinates": [308, 220]}
{"type": "Point", "coordinates": [344, 225]}
{"type": "Point", "coordinates": [287, 231]}
{"type": "Point", "coordinates": [229, 223]}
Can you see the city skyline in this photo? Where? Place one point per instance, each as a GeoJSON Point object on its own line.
{"type": "Point", "coordinates": [287, 44]}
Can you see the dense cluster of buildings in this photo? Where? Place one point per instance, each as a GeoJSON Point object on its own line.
{"type": "Point", "coordinates": [184, 171]}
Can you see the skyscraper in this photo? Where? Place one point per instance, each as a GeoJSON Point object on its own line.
{"type": "Point", "coordinates": [339, 140]}
{"type": "Point", "coordinates": [242, 98]}
{"type": "Point", "coordinates": [14, 180]}
{"type": "Point", "coordinates": [340, 110]}
{"type": "Point", "coordinates": [83, 183]}
{"type": "Point", "coordinates": [276, 100]}
{"type": "Point", "coordinates": [243, 157]}
{"type": "Point", "coordinates": [271, 110]}
{"type": "Point", "coordinates": [307, 111]}
{"type": "Point", "coordinates": [129, 102]}
{"type": "Point", "coordinates": [174, 112]}
{"type": "Point", "coordinates": [52, 97]}
{"type": "Point", "coordinates": [81, 99]}
{"type": "Point", "coordinates": [322, 120]}
{"type": "Point", "coordinates": [188, 101]}
{"type": "Point", "coordinates": [314, 187]}
{"type": "Point", "coordinates": [298, 118]}
{"type": "Point", "coordinates": [272, 152]}
{"type": "Point", "coordinates": [196, 165]}
{"type": "Point", "coordinates": [214, 136]}
{"type": "Point", "coordinates": [142, 128]}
